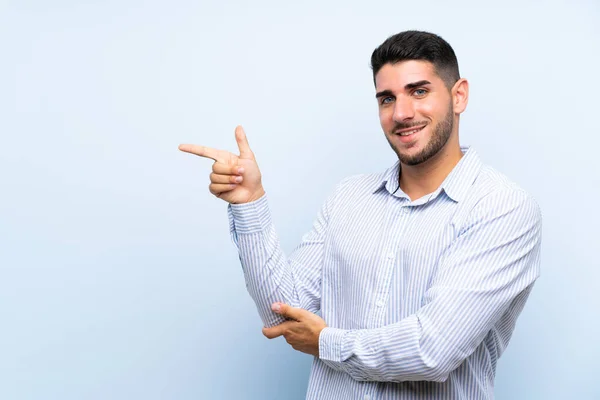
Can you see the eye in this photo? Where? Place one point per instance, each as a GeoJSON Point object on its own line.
{"type": "Point", "coordinates": [387, 100]}
{"type": "Point", "coordinates": [420, 92]}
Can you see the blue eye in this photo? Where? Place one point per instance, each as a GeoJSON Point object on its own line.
{"type": "Point", "coordinates": [420, 92]}
{"type": "Point", "coordinates": [387, 100]}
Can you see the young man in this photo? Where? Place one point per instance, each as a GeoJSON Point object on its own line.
{"type": "Point", "coordinates": [419, 272]}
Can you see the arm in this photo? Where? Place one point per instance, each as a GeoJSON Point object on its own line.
{"type": "Point", "coordinates": [491, 264]}
{"type": "Point", "coordinates": [270, 277]}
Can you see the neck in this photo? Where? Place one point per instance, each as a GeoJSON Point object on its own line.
{"type": "Point", "coordinates": [419, 180]}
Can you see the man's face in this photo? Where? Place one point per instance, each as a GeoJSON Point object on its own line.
{"type": "Point", "coordinates": [415, 110]}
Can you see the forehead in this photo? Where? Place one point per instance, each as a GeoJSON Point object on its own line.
{"type": "Point", "coordinates": [396, 76]}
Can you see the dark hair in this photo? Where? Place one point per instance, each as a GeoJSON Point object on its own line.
{"type": "Point", "coordinates": [416, 45]}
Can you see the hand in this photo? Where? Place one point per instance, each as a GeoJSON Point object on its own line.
{"type": "Point", "coordinates": [301, 332]}
{"type": "Point", "coordinates": [235, 179]}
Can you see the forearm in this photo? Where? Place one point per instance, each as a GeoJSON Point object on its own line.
{"type": "Point", "coordinates": [427, 345]}
{"type": "Point", "coordinates": [266, 269]}
{"type": "Point", "coordinates": [393, 353]}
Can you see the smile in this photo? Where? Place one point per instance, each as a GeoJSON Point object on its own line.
{"type": "Point", "coordinates": [410, 132]}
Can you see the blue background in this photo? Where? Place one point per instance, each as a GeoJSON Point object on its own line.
{"type": "Point", "coordinates": [118, 278]}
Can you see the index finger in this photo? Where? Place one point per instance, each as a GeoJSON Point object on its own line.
{"type": "Point", "coordinates": [202, 151]}
{"type": "Point", "coordinates": [275, 331]}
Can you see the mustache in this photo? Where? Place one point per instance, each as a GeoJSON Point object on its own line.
{"type": "Point", "coordinates": [403, 125]}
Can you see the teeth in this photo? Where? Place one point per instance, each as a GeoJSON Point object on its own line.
{"type": "Point", "coordinates": [410, 132]}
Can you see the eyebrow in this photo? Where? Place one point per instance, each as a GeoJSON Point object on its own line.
{"type": "Point", "coordinates": [384, 93]}
{"type": "Point", "coordinates": [408, 86]}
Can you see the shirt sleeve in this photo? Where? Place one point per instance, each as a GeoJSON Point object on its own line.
{"type": "Point", "coordinates": [270, 275]}
{"type": "Point", "coordinates": [488, 271]}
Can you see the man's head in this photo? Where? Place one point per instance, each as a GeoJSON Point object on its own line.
{"type": "Point", "coordinates": [418, 86]}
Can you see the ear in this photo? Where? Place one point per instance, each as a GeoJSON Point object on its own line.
{"type": "Point", "coordinates": [460, 95]}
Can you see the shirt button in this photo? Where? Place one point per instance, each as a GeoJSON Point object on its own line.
{"type": "Point", "coordinates": [367, 397]}
{"type": "Point", "coordinates": [379, 303]}
{"type": "Point", "coordinates": [391, 255]}
{"type": "Point", "coordinates": [406, 210]}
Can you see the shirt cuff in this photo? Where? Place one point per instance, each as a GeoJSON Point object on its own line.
{"type": "Point", "coordinates": [331, 341]}
{"type": "Point", "coordinates": [250, 217]}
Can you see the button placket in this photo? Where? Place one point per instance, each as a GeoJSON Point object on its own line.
{"type": "Point", "coordinates": [396, 217]}
{"type": "Point", "coordinates": [391, 256]}
{"type": "Point", "coordinates": [401, 215]}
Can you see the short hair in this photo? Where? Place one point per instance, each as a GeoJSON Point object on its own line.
{"type": "Point", "coordinates": [418, 45]}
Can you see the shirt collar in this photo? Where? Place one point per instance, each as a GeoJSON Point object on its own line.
{"type": "Point", "coordinates": [456, 184]}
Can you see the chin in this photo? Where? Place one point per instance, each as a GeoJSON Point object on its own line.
{"type": "Point", "coordinates": [409, 152]}
{"type": "Point", "coordinates": [415, 156]}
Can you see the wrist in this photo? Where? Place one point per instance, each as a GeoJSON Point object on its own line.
{"type": "Point", "coordinates": [257, 195]}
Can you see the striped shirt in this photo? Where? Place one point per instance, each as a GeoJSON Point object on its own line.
{"type": "Point", "coordinates": [420, 297]}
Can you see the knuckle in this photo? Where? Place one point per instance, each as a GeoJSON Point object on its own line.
{"type": "Point", "coordinates": [217, 167]}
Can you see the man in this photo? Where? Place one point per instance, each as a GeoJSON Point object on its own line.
{"type": "Point", "coordinates": [419, 272]}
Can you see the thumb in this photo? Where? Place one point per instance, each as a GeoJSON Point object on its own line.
{"type": "Point", "coordinates": [287, 311]}
{"type": "Point", "coordinates": [242, 141]}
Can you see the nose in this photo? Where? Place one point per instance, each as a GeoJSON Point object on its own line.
{"type": "Point", "coordinates": [403, 109]}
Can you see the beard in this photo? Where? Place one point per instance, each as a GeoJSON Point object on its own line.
{"type": "Point", "coordinates": [439, 138]}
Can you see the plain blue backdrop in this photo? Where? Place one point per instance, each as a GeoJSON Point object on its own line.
{"type": "Point", "coordinates": [118, 278]}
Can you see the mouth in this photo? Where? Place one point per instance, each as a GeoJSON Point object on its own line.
{"type": "Point", "coordinates": [408, 134]}
{"type": "Point", "coordinates": [409, 131]}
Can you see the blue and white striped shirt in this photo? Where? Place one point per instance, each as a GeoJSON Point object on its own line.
{"type": "Point", "coordinates": [420, 297]}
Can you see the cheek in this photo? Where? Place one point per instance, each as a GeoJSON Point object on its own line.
{"type": "Point", "coordinates": [433, 108]}
{"type": "Point", "coordinates": [385, 118]}
{"type": "Point", "coordinates": [426, 110]}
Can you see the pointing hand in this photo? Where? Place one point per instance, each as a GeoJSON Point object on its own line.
{"type": "Point", "coordinates": [234, 178]}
